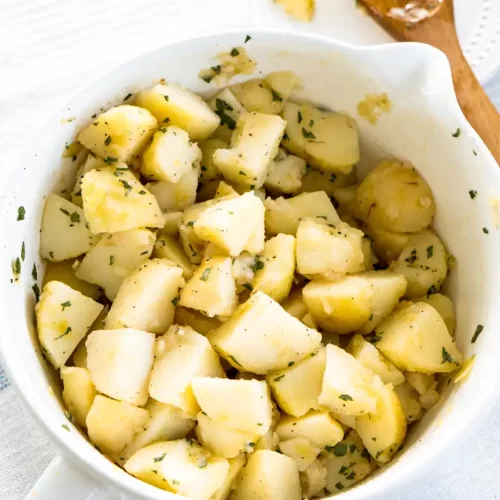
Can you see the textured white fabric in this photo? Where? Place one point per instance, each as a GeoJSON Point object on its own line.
{"type": "Point", "coordinates": [50, 47]}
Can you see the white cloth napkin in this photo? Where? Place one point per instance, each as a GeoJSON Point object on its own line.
{"type": "Point", "coordinates": [50, 47]}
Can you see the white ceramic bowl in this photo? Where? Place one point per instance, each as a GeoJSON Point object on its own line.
{"type": "Point", "coordinates": [419, 129]}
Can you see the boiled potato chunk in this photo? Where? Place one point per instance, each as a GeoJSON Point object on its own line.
{"type": "Point", "coordinates": [261, 336]}
{"type": "Point", "coordinates": [211, 289]}
{"type": "Point", "coordinates": [302, 10]}
{"type": "Point", "coordinates": [64, 233]}
{"type": "Point", "coordinates": [387, 245]}
{"type": "Point", "coordinates": [63, 317]}
{"type": "Point", "coordinates": [169, 248]}
{"type": "Point", "coordinates": [275, 269]}
{"type": "Point", "coordinates": [170, 156]}
{"type": "Point", "coordinates": [295, 305]}
{"type": "Point", "coordinates": [369, 356]}
{"type": "Point", "coordinates": [384, 430]}
{"type": "Point", "coordinates": [444, 306]}
{"type": "Point", "coordinates": [182, 467]}
{"type": "Point", "coordinates": [119, 134]}
{"type": "Point", "coordinates": [253, 145]}
{"type": "Point", "coordinates": [235, 466]}
{"type": "Point", "coordinates": [78, 393]}
{"type": "Point", "coordinates": [313, 479]}
{"type": "Point", "coordinates": [170, 103]}
{"type": "Point", "coordinates": [90, 163]}
{"type": "Point", "coordinates": [209, 171]}
{"type": "Point", "coordinates": [301, 450]}
{"type": "Point", "coordinates": [258, 96]}
{"type": "Point", "coordinates": [238, 404]}
{"type": "Point", "coordinates": [144, 301]}
{"type": "Point", "coordinates": [112, 425]}
{"type": "Point", "coordinates": [197, 321]}
{"type": "Point", "coordinates": [409, 399]}
{"type": "Point", "coordinates": [396, 198]}
{"type": "Point", "coordinates": [182, 354]}
{"type": "Point", "coordinates": [421, 382]}
{"type": "Point", "coordinates": [283, 215]}
{"type": "Point", "coordinates": [119, 362]}
{"type": "Point", "coordinates": [114, 257]}
{"type": "Point", "coordinates": [348, 387]}
{"type": "Point", "coordinates": [283, 83]}
{"type": "Point", "coordinates": [328, 249]}
{"type": "Point", "coordinates": [172, 222]}
{"type": "Point", "coordinates": [415, 338]}
{"type": "Point", "coordinates": [285, 173]}
{"type": "Point", "coordinates": [268, 475]}
{"type": "Point", "coordinates": [296, 388]}
{"type": "Point", "coordinates": [114, 200]}
{"type": "Point", "coordinates": [317, 180]}
{"type": "Point", "coordinates": [341, 306]}
{"type": "Point", "coordinates": [226, 105]}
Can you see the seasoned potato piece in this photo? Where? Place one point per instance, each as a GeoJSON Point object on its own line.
{"type": "Point", "coordinates": [283, 215]}
{"type": "Point", "coordinates": [229, 109]}
{"type": "Point", "coordinates": [369, 258]}
{"type": "Point", "coordinates": [408, 398]}
{"type": "Point", "coordinates": [224, 189]}
{"type": "Point", "coordinates": [424, 263]}
{"type": "Point", "coordinates": [415, 338]}
{"type": "Point", "coordinates": [342, 306]}
{"type": "Point", "coordinates": [261, 336]}
{"type": "Point", "coordinates": [258, 96]}
{"type": "Point", "coordinates": [421, 382]}
{"type": "Point", "coordinates": [283, 83]}
{"type": "Point", "coordinates": [212, 288]}
{"type": "Point", "coordinates": [444, 306]}
{"type": "Point", "coordinates": [112, 425]}
{"type": "Point", "coordinates": [209, 171]}
{"type": "Point", "coordinates": [396, 198]}
{"type": "Point", "coordinates": [169, 248]}
{"type": "Point", "coordinates": [317, 180]}
{"type": "Point", "coordinates": [429, 399]}
{"type": "Point", "coordinates": [170, 103]}
{"type": "Point", "coordinates": [348, 387]}
{"type": "Point", "coordinates": [119, 134]}
{"type": "Point", "coordinates": [90, 163]}
{"type": "Point", "coordinates": [301, 450]}
{"type": "Point", "coordinates": [274, 270]}
{"type": "Point", "coordinates": [64, 234]}
{"type": "Point", "coordinates": [346, 198]}
{"type": "Point", "coordinates": [182, 467]}
{"type": "Point", "coordinates": [328, 250]}
{"type": "Point", "coordinates": [387, 245]}
{"type": "Point", "coordinates": [235, 466]}
{"type": "Point", "coordinates": [243, 270]}
{"type": "Point", "coordinates": [172, 222]}
{"type": "Point", "coordinates": [313, 479]}
{"type": "Point", "coordinates": [326, 140]}
{"type": "Point", "coordinates": [253, 145]}
{"type": "Point", "coordinates": [144, 301]}
{"type": "Point", "coordinates": [63, 317]}
{"type": "Point", "coordinates": [297, 387]}
{"type": "Point", "coordinates": [114, 200]}
{"type": "Point", "coordinates": [302, 10]}
{"type": "Point", "coordinates": [114, 257]}
{"type": "Point", "coordinates": [295, 305]}
{"type": "Point", "coordinates": [78, 393]}
{"type": "Point", "coordinates": [197, 321]}
{"type": "Point", "coordinates": [285, 173]}
{"type": "Point", "coordinates": [269, 475]}
{"type": "Point", "coordinates": [182, 354]}
{"type": "Point", "coordinates": [119, 363]}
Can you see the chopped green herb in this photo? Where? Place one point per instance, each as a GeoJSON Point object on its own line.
{"type": "Point", "coordinates": [160, 458]}
{"type": "Point", "coordinates": [75, 217]}
{"type": "Point", "coordinates": [142, 191]}
{"type": "Point", "coordinates": [66, 427]}
{"type": "Point", "coordinates": [248, 38]}
{"type": "Point", "coordinates": [472, 194]}
{"type": "Point", "coordinates": [23, 251]}
{"type": "Point", "coordinates": [65, 304]}
{"type": "Point", "coordinates": [36, 291]}
{"type": "Point", "coordinates": [166, 97]}
{"type": "Point", "coordinates": [285, 136]}
{"type": "Point", "coordinates": [205, 274]}
{"type": "Point", "coordinates": [242, 173]}
{"type": "Point", "coordinates": [277, 379]}
{"type": "Point", "coordinates": [352, 448]}
{"type": "Point", "coordinates": [65, 212]}
{"type": "Point", "coordinates": [216, 69]}
{"type": "Point", "coordinates": [233, 359]}
{"type": "Point", "coordinates": [235, 52]}
{"type": "Point", "coordinates": [276, 96]}
{"type": "Point", "coordinates": [457, 133]}
{"type": "Point", "coordinates": [412, 258]}
{"type": "Point", "coordinates": [258, 265]}
{"type": "Point", "coordinates": [447, 358]}
{"type": "Point", "coordinates": [333, 178]}
{"type": "Point", "coordinates": [339, 486]}
{"type": "Point", "coordinates": [311, 123]}
{"type": "Point", "coordinates": [176, 482]}
{"type": "Point", "coordinates": [345, 397]}
{"type": "Point", "coordinates": [321, 217]}
{"type": "Point", "coordinates": [248, 286]}
{"type": "Point", "coordinates": [127, 97]}
{"type": "Point", "coordinates": [221, 107]}
{"type": "Point", "coordinates": [479, 329]}
{"type": "Point", "coordinates": [190, 223]}
{"type": "Point", "coordinates": [432, 289]}
{"type": "Point", "coordinates": [175, 301]}
{"type": "Point", "coordinates": [430, 251]}
{"type": "Point", "coordinates": [108, 141]}
{"type": "Point", "coordinates": [67, 332]}
{"type": "Point", "coordinates": [339, 450]}
{"type": "Point", "coordinates": [207, 78]}
{"type": "Point", "coordinates": [352, 475]}
{"type": "Point", "coordinates": [308, 134]}
{"type": "Point", "coordinates": [485, 231]}
{"type": "Point", "coordinates": [299, 117]}
{"type": "Point", "coordinates": [34, 272]}
{"type": "Point", "coordinates": [110, 159]}
{"type": "Point", "coordinates": [365, 454]}
{"type": "Point", "coordinates": [127, 186]}
{"type": "Point", "coordinates": [166, 120]}
{"type": "Point", "coordinates": [21, 212]}
{"type": "Point", "coordinates": [203, 168]}
{"type": "Point", "coordinates": [111, 260]}
{"type": "Point", "coordinates": [474, 151]}
{"type": "Point", "coordinates": [373, 338]}
{"type": "Point", "coordinates": [16, 266]}
{"type": "Point", "coordinates": [51, 255]}
{"type": "Point", "coordinates": [291, 363]}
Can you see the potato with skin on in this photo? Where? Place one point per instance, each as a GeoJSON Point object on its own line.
{"type": "Point", "coordinates": [409, 399]}
{"type": "Point", "coordinates": [415, 338]}
{"type": "Point", "coordinates": [285, 173]}
{"type": "Point", "coordinates": [257, 96]}
{"type": "Point", "coordinates": [63, 317]}
{"type": "Point", "coordinates": [119, 134]}
{"type": "Point", "coordinates": [254, 144]}
{"type": "Point", "coordinates": [261, 337]}
{"type": "Point", "coordinates": [444, 306]}
{"type": "Point", "coordinates": [78, 393]}
{"type": "Point", "coordinates": [64, 233]}
{"type": "Point", "coordinates": [182, 467]}
{"type": "Point", "coordinates": [119, 363]}
{"type": "Point", "coordinates": [112, 425]}
{"type": "Point", "coordinates": [387, 245]}
{"type": "Point", "coordinates": [226, 105]}
{"type": "Point", "coordinates": [194, 319]}
{"type": "Point", "coordinates": [170, 103]}
{"type": "Point", "coordinates": [236, 464]}
{"type": "Point", "coordinates": [169, 248]}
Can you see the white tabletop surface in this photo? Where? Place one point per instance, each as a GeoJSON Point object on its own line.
{"type": "Point", "coordinates": [48, 48]}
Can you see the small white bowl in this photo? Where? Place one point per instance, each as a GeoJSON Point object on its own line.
{"type": "Point", "coordinates": [419, 129]}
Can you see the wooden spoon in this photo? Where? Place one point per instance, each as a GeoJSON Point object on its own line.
{"type": "Point", "coordinates": [432, 22]}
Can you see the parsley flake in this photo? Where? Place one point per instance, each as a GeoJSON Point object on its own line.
{"type": "Point", "coordinates": [36, 291]}
{"type": "Point", "coordinates": [299, 117]}
{"type": "Point", "coordinates": [345, 397]}
{"type": "Point", "coordinates": [66, 427]}
{"type": "Point", "coordinates": [233, 359]}
{"type": "Point", "coordinates": [166, 97]}
{"type": "Point", "coordinates": [16, 266]}
{"type": "Point", "coordinates": [308, 134]}
{"type": "Point", "coordinates": [159, 459]}
{"type": "Point", "coordinates": [111, 260]}
{"type": "Point", "coordinates": [127, 186]}
{"type": "Point", "coordinates": [430, 251]}
{"type": "Point", "coordinates": [21, 212]}
{"type": "Point", "coordinates": [472, 194]}
{"type": "Point", "coordinates": [457, 133]}
{"type": "Point", "coordinates": [65, 304]}
{"type": "Point", "coordinates": [205, 274]}
{"type": "Point", "coordinates": [276, 96]}
{"type": "Point", "coordinates": [479, 329]}
{"type": "Point", "coordinates": [339, 450]}
{"type": "Point", "coordinates": [108, 141]}
{"type": "Point", "coordinates": [110, 159]}
{"type": "Point", "coordinates": [127, 97]}
{"type": "Point", "coordinates": [75, 217]}
{"type": "Point", "coordinates": [67, 332]}
{"type": "Point", "coordinates": [485, 231]}
{"type": "Point", "coordinates": [34, 272]}
{"type": "Point", "coordinates": [248, 38]}
{"type": "Point", "coordinates": [235, 52]}
{"type": "Point", "coordinates": [23, 251]}
{"type": "Point", "coordinates": [447, 358]}
{"type": "Point", "coordinates": [277, 379]}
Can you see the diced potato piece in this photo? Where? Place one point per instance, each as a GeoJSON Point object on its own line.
{"type": "Point", "coordinates": [119, 134]}
{"type": "Point", "coordinates": [114, 200]}
{"type": "Point", "coordinates": [78, 393]}
{"type": "Point", "coordinates": [444, 306]}
{"type": "Point", "coordinates": [369, 258]}
{"type": "Point", "coordinates": [224, 189]}
{"type": "Point", "coordinates": [396, 198]}
{"type": "Point", "coordinates": [303, 10]}
{"type": "Point", "coordinates": [114, 257]}
{"type": "Point", "coordinates": [258, 96]}
{"type": "Point", "coordinates": [283, 215]}
{"type": "Point", "coordinates": [326, 140]}
{"type": "Point", "coordinates": [348, 463]}
{"type": "Point", "coordinates": [346, 198]}
{"type": "Point", "coordinates": [63, 317]}
{"type": "Point", "coordinates": [313, 479]}
{"type": "Point", "coordinates": [415, 338]}
{"type": "Point", "coordinates": [383, 431]}
{"type": "Point", "coordinates": [301, 450]}
{"type": "Point", "coordinates": [268, 441]}
{"type": "Point", "coordinates": [297, 388]}
{"type": "Point", "coordinates": [275, 268]}
{"type": "Point", "coordinates": [269, 475]}
{"type": "Point", "coordinates": [295, 305]}
{"type": "Point", "coordinates": [370, 358]}
{"type": "Point", "coordinates": [253, 145]}
{"type": "Point", "coordinates": [196, 320]}
{"type": "Point", "coordinates": [429, 399]}
{"type": "Point", "coordinates": [261, 336]}
{"type": "Point", "coordinates": [119, 362]}
{"type": "Point", "coordinates": [64, 272]}
{"type": "Point", "coordinates": [209, 171]}
{"type": "Point", "coordinates": [112, 425]}
{"type": "Point", "coordinates": [328, 249]}
{"type": "Point", "coordinates": [176, 196]}
{"type": "Point", "coordinates": [347, 421]}
{"type": "Point", "coordinates": [235, 466]}
{"type": "Point", "coordinates": [408, 398]}
{"type": "Point", "coordinates": [173, 104]}
{"type": "Point", "coordinates": [229, 109]}
{"type": "Point", "coordinates": [283, 83]}
{"type": "Point", "coordinates": [421, 382]}
{"type": "Point", "coordinates": [239, 404]}
{"type": "Point", "coordinates": [212, 288]}
{"type": "Point", "coordinates": [223, 441]}
{"type": "Point", "coordinates": [285, 173]}
{"type": "Point", "coordinates": [342, 306]}
{"type": "Point", "coordinates": [144, 301]}
{"type": "Point", "coordinates": [64, 234]}
{"type": "Point", "coordinates": [182, 467]}
{"type": "Point", "coordinates": [387, 245]}
{"type": "Point", "coordinates": [90, 163]}
{"type": "Point", "coordinates": [172, 222]}
{"type": "Point", "coordinates": [348, 387]}
{"type": "Point", "coordinates": [182, 354]}
{"type": "Point", "coordinates": [169, 248]}
{"type": "Point", "coordinates": [317, 180]}
{"type": "Point", "coordinates": [243, 270]}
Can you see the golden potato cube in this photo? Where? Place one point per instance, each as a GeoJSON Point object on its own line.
{"type": "Point", "coordinates": [258, 96]}
{"type": "Point", "coordinates": [169, 248]}
{"type": "Point", "coordinates": [285, 173]}
{"type": "Point", "coordinates": [78, 393]}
